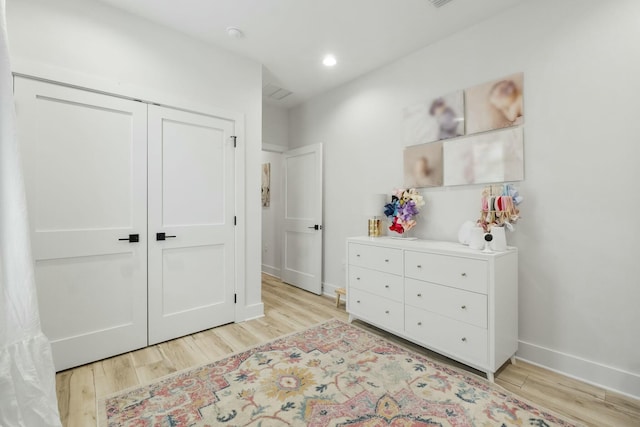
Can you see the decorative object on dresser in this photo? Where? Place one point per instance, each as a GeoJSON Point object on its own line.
{"type": "Point", "coordinates": [442, 295]}
{"type": "Point", "coordinates": [374, 208]}
{"type": "Point", "coordinates": [403, 209]}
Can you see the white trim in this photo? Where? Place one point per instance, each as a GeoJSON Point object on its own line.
{"type": "Point", "coordinates": [241, 227]}
{"type": "Point", "coordinates": [329, 290]}
{"type": "Point", "coordinates": [271, 271]}
{"type": "Point", "coordinates": [66, 77]}
{"type": "Point", "coordinates": [273, 148]}
{"type": "Point", "coordinates": [594, 373]}
{"type": "Point", "coordinates": [253, 311]}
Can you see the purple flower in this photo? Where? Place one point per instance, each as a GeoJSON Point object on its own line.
{"type": "Point", "coordinates": [408, 210]}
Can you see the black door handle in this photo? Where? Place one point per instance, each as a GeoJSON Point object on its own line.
{"type": "Point", "coordinates": [163, 236]}
{"type": "Point", "coordinates": [316, 227]}
{"type": "Point", "coordinates": [133, 238]}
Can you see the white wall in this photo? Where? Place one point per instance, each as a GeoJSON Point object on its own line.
{"type": "Point", "coordinates": [275, 140]}
{"type": "Point", "coordinates": [275, 127]}
{"type": "Point", "coordinates": [579, 270]}
{"type": "Point", "coordinates": [102, 48]}
{"type": "Point", "coordinates": [272, 218]}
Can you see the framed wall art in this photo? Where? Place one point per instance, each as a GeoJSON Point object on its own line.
{"type": "Point", "coordinates": [485, 158]}
{"type": "Point", "coordinates": [266, 185]}
{"type": "Point", "coordinates": [495, 105]}
{"type": "Point", "coordinates": [437, 119]}
{"type": "Point", "coordinates": [423, 165]}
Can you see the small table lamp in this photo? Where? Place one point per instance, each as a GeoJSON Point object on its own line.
{"type": "Point", "coordinates": [374, 208]}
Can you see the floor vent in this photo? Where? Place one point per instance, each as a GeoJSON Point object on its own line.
{"type": "Point", "coordinates": [274, 92]}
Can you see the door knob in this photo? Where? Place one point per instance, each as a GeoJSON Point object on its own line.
{"type": "Point", "coordinates": [163, 236]}
{"type": "Point", "coordinates": [316, 227]}
{"type": "Point", "coordinates": [133, 238]}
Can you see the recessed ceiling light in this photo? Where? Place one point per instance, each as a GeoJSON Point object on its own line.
{"type": "Point", "coordinates": [235, 33]}
{"type": "Point", "coordinates": [329, 61]}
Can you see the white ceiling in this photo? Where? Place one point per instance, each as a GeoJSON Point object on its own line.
{"type": "Point", "coordinates": [290, 37]}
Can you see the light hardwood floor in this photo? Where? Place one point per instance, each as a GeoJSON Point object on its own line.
{"type": "Point", "coordinates": [288, 309]}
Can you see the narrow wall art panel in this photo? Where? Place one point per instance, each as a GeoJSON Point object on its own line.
{"type": "Point", "coordinates": [495, 105]}
{"type": "Point", "coordinates": [486, 158]}
{"type": "Point", "coordinates": [435, 120]}
{"type": "Point", "coordinates": [266, 185]}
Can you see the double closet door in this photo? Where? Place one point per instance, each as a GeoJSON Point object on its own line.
{"type": "Point", "coordinates": [131, 209]}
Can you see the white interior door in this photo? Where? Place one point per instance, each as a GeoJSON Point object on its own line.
{"type": "Point", "coordinates": [84, 158]}
{"type": "Point", "coordinates": [302, 240]}
{"type": "Point", "coordinates": [191, 201]}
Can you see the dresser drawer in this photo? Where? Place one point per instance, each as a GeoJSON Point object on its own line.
{"type": "Point", "coordinates": [457, 304]}
{"type": "Point", "coordinates": [377, 258]}
{"type": "Point", "coordinates": [462, 273]}
{"type": "Point", "coordinates": [376, 309]}
{"type": "Point", "coordinates": [461, 340]}
{"type": "Point", "coordinates": [383, 284]}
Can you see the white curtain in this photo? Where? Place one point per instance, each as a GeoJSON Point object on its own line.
{"type": "Point", "coordinates": [27, 375]}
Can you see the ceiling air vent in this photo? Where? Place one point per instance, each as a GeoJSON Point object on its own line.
{"type": "Point", "coordinates": [439, 3]}
{"type": "Point", "coordinates": [274, 92]}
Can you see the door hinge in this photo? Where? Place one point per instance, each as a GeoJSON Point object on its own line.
{"type": "Point", "coordinates": [235, 298]}
{"type": "Point", "coordinates": [235, 141]}
{"type": "Point", "coordinates": [235, 220]}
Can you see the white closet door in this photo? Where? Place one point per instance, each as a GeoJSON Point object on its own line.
{"type": "Point", "coordinates": [84, 158]}
{"type": "Point", "coordinates": [302, 240]}
{"type": "Point", "coordinates": [191, 201]}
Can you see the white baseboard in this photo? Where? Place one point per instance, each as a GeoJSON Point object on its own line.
{"type": "Point", "coordinates": [591, 372]}
{"type": "Point", "coordinates": [329, 289]}
{"type": "Point", "coordinates": [271, 270]}
{"type": "Point", "coordinates": [253, 311]}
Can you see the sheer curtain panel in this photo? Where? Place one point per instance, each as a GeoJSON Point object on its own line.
{"type": "Point", "coordinates": [27, 376]}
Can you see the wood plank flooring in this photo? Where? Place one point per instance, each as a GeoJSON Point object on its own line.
{"type": "Point", "coordinates": [288, 309]}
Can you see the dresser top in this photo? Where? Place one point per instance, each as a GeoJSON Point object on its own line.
{"type": "Point", "coordinates": [435, 246]}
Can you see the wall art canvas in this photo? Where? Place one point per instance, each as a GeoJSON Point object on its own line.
{"type": "Point", "coordinates": [495, 105]}
{"type": "Point", "coordinates": [266, 185]}
{"type": "Point", "coordinates": [438, 119]}
{"type": "Point", "coordinates": [490, 157]}
{"type": "Point", "coordinates": [423, 165]}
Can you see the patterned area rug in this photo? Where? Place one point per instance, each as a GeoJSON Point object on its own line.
{"type": "Point", "coordinates": [333, 374]}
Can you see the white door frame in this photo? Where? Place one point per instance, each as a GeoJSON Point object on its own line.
{"type": "Point", "coordinates": [104, 86]}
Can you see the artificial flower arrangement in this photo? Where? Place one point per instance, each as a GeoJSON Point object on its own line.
{"type": "Point", "coordinates": [403, 209]}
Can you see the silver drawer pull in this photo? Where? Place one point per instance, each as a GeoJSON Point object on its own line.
{"type": "Point", "coordinates": [464, 274]}
{"type": "Point", "coordinates": [419, 266]}
{"type": "Point", "coordinates": [386, 311]}
{"type": "Point", "coordinates": [419, 323]}
{"type": "Point", "coordinates": [464, 339]}
{"type": "Point", "coordinates": [386, 286]}
{"type": "Point", "coordinates": [464, 307]}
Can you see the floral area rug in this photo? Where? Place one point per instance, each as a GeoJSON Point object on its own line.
{"type": "Point", "coordinates": [333, 374]}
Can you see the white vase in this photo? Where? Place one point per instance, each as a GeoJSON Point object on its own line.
{"type": "Point", "coordinates": [499, 242]}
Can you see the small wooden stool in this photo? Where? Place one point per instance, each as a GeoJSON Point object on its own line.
{"type": "Point", "coordinates": [340, 291]}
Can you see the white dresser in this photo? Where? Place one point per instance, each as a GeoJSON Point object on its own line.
{"type": "Point", "coordinates": [456, 301]}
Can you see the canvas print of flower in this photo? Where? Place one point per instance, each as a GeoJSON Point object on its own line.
{"type": "Point", "coordinates": [490, 157]}
{"type": "Point", "coordinates": [435, 120]}
{"type": "Point", "coordinates": [495, 105]}
{"type": "Point", "coordinates": [423, 165]}
{"type": "Point", "coordinates": [266, 185]}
